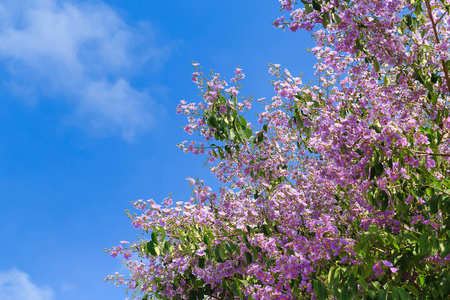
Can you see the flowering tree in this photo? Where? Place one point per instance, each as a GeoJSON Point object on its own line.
{"type": "Point", "coordinates": [342, 191]}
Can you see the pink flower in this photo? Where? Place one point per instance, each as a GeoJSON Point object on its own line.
{"type": "Point", "coordinates": [127, 255]}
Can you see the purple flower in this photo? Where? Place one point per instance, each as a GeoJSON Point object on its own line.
{"type": "Point", "coordinates": [378, 269]}
{"type": "Point", "coordinates": [387, 263]}
{"type": "Point", "coordinates": [127, 255]}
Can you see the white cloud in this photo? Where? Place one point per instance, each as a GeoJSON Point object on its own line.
{"type": "Point", "coordinates": [68, 287]}
{"type": "Point", "coordinates": [15, 285]}
{"type": "Point", "coordinates": [83, 53]}
{"type": "Point", "coordinates": [117, 102]}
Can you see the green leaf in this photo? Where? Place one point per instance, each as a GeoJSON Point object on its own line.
{"type": "Point", "coordinates": [367, 270]}
{"type": "Point", "coordinates": [212, 122]}
{"type": "Point", "coordinates": [221, 153]}
{"type": "Point", "coordinates": [236, 288]}
{"type": "Point", "coordinates": [320, 290]}
{"type": "Point", "coordinates": [167, 246]}
{"type": "Point", "coordinates": [265, 230]}
{"type": "Point", "coordinates": [434, 291]}
{"type": "Point", "coordinates": [256, 252]}
{"type": "Point", "coordinates": [259, 137]}
{"type": "Point", "coordinates": [404, 295]}
{"type": "Point", "coordinates": [150, 248]}
{"type": "Point", "coordinates": [201, 262]}
{"type": "Point", "coordinates": [154, 238]}
{"type": "Point", "coordinates": [376, 65]}
{"type": "Point", "coordinates": [386, 81]}
{"type": "Point", "coordinates": [373, 229]}
{"type": "Point", "coordinates": [336, 18]}
{"type": "Point", "coordinates": [434, 204]}
{"type": "Point", "coordinates": [429, 191]}
{"type": "Point", "coordinates": [217, 255]}
{"type": "Point", "coordinates": [359, 45]}
{"type": "Point", "coordinates": [377, 169]}
{"type": "Point", "coordinates": [423, 241]}
{"type": "Point", "coordinates": [384, 200]}
{"type": "Point", "coordinates": [163, 234]}
{"type": "Point", "coordinates": [372, 294]}
{"type": "Point", "coordinates": [395, 294]}
{"type": "Point", "coordinates": [411, 237]}
{"type": "Point", "coordinates": [434, 245]}
{"type": "Point", "coordinates": [295, 287]}
{"type": "Point", "coordinates": [421, 17]}
{"type": "Point", "coordinates": [243, 121]}
{"type": "Point", "coordinates": [422, 280]}
{"type": "Point", "coordinates": [248, 257]}
{"type": "Point", "coordinates": [225, 285]}
{"type": "Point", "coordinates": [434, 98]}
{"type": "Point", "coordinates": [412, 289]}
{"type": "Point", "coordinates": [248, 133]}
{"type": "Point", "coordinates": [382, 294]}
{"type": "Point", "coordinates": [362, 283]}
{"type": "Point", "coordinates": [222, 251]}
{"type": "Point", "coordinates": [316, 5]}
{"type": "Point", "coordinates": [331, 274]}
{"type": "Point", "coordinates": [325, 19]}
{"type": "Point", "coordinates": [352, 283]}
{"type": "Point", "coordinates": [206, 240]}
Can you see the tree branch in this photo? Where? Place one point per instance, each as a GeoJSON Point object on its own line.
{"type": "Point", "coordinates": [430, 154]}
{"type": "Point", "coordinates": [436, 35]}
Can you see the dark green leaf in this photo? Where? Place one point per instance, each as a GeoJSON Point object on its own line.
{"type": "Point", "coordinates": [248, 257]}
{"type": "Point", "coordinates": [265, 230]}
{"type": "Point", "coordinates": [316, 5]}
{"type": "Point", "coordinates": [382, 294]}
{"type": "Point", "coordinates": [434, 204]}
{"type": "Point", "coordinates": [212, 122]}
{"type": "Point", "coordinates": [225, 285]}
{"type": "Point", "coordinates": [404, 295]}
{"type": "Point", "coordinates": [236, 288]}
{"type": "Point", "coordinates": [412, 289]}
{"type": "Point", "coordinates": [384, 200]}
{"type": "Point", "coordinates": [154, 238]}
{"type": "Point", "coordinates": [150, 248]}
{"type": "Point", "coordinates": [201, 262]}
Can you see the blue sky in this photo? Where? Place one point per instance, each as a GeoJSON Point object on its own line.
{"type": "Point", "coordinates": [88, 123]}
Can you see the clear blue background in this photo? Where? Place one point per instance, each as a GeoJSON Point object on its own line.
{"type": "Point", "coordinates": [64, 185]}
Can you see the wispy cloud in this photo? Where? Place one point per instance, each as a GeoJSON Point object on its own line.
{"type": "Point", "coordinates": [15, 285]}
{"type": "Point", "coordinates": [83, 53]}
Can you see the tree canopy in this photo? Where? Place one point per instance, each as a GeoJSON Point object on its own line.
{"type": "Point", "coordinates": [341, 191]}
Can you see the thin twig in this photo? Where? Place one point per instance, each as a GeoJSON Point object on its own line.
{"type": "Point", "coordinates": [431, 154]}
{"type": "Point", "coordinates": [441, 17]}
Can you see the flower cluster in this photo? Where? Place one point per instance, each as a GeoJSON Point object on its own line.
{"type": "Point", "coordinates": [342, 191]}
